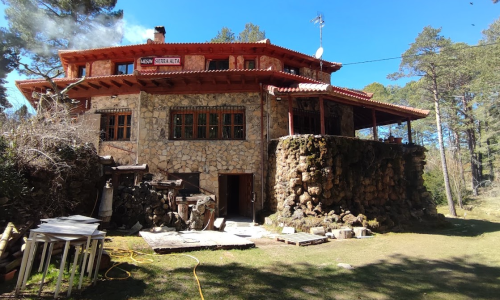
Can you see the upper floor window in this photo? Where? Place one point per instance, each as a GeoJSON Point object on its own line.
{"type": "Point", "coordinates": [249, 64]}
{"type": "Point", "coordinates": [82, 71]}
{"type": "Point", "coordinates": [291, 70]}
{"type": "Point", "coordinates": [221, 122]}
{"type": "Point", "coordinates": [116, 126]}
{"type": "Point", "coordinates": [218, 64]}
{"type": "Point", "coordinates": [124, 68]}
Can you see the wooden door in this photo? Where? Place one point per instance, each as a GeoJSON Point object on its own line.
{"type": "Point", "coordinates": [245, 197]}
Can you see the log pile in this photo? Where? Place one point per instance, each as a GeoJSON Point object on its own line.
{"type": "Point", "coordinates": [12, 246]}
{"type": "Point", "coordinates": [143, 204]}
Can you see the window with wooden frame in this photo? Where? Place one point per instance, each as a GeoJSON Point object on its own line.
{"type": "Point", "coordinates": [218, 64]}
{"type": "Point", "coordinates": [82, 71]}
{"type": "Point", "coordinates": [208, 123]}
{"type": "Point", "coordinates": [124, 68]}
{"type": "Point", "coordinates": [306, 122]}
{"type": "Point", "coordinates": [250, 64]}
{"type": "Point", "coordinates": [116, 125]}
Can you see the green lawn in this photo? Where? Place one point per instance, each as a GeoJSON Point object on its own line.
{"type": "Point", "coordinates": [461, 262]}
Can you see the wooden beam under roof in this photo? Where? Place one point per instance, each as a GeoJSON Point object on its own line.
{"type": "Point", "coordinates": [94, 86]}
{"type": "Point", "coordinates": [127, 82]}
{"type": "Point", "coordinates": [104, 84]}
{"type": "Point", "coordinates": [115, 83]}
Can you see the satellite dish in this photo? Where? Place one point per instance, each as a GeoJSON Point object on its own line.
{"type": "Point", "coordinates": [319, 52]}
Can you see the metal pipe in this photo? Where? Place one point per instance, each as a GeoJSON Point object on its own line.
{"type": "Point", "coordinates": [262, 145]}
{"type": "Point", "coordinates": [138, 129]}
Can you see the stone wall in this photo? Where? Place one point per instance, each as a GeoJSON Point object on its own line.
{"type": "Point", "coordinates": [346, 180]}
{"type": "Point", "coordinates": [323, 77]}
{"type": "Point", "coordinates": [123, 152]}
{"type": "Point", "coordinates": [266, 62]}
{"type": "Point", "coordinates": [101, 68]}
{"type": "Point", "coordinates": [150, 142]}
{"type": "Point", "coordinates": [194, 62]}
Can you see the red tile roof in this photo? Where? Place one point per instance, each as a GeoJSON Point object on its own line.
{"type": "Point", "coordinates": [161, 46]}
{"type": "Point", "coordinates": [356, 96]}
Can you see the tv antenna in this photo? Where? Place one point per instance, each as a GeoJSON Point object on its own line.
{"type": "Point", "coordinates": [320, 19]}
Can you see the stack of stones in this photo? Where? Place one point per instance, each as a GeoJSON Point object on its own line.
{"type": "Point", "coordinates": [143, 204]}
{"type": "Point", "coordinates": [347, 181]}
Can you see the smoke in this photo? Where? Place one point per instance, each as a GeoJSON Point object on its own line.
{"type": "Point", "coordinates": [97, 33]}
{"type": "Point", "coordinates": [136, 34]}
{"type": "Point", "coordinates": [54, 34]}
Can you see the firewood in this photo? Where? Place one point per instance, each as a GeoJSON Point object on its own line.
{"type": "Point", "coordinates": [5, 237]}
{"type": "Point", "coordinates": [7, 267]}
{"type": "Point", "coordinates": [19, 233]}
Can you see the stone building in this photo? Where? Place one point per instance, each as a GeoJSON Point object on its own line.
{"type": "Point", "coordinates": [207, 112]}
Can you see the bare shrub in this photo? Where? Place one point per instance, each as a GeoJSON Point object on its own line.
{"type": "Point", "coordinates": [60, 167]}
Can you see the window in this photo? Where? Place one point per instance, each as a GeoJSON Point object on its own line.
{"type": "Point", "coordinates": [191, 182]}
{"type": "Point", "coordinates": [124, 68]}
{"type": "Point", "coordinates": [249, 64]}
{"type": "Point", "coordinates": [220, 122]}
{"type": "Point", "coordinates": [116, 126]}
{"type": "Point", "coordinates": [291, 70]}
{"type": "Point", "coordinates": [218, 64]}
{"type": "Point", "coordinates": [306, 122]}
{"type": "Point", "coordinates": [81, 71]}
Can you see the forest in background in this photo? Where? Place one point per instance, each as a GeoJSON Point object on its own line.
{"type": "Point", "coordinates": [459, 84]}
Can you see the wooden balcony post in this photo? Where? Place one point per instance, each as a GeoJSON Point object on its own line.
{"type": "Point", "coordinates": [408, 122]}
{"type": "Point", "coordinates": [374, 120]}
{"type": "Point", "coordinates": [322, 115]}
{"type": "Point", "coordinates": [290, 116]}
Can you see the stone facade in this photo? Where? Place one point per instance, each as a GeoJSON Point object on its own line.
{"type": "Point", "coordinates": [266, 62]}
{"type": "Point", "coordinates": [151, 141]}
{"type": "Point", "coordinates": [345, 180]}
{"type": "Point", "coordinates": [102, 68]}
{"type": "Point", "coordinates": [194, 62]}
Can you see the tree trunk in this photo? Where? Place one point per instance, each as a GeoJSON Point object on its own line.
{"type": "Point", "coordinates": [479, 155]}
{"type": "Point", "coordinates": [490, 160]}
{"type": "Point", "coordinates": [458, 159]}
{"type": "Point", "coordinates": [471, 143]}
{"type": "Point", "coordinates": [451, 204]}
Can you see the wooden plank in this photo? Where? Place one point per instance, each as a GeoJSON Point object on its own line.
{"type": "Point", "coordinates": [168, 242]}
{"type": "Point", "coordinates": [301, 239]}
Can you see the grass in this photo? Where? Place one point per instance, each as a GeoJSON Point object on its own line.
{"type": "Point", "coordinates": [460, 262]}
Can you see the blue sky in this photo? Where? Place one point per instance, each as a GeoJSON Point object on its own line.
{"type": "Point", "coordinates": [354, 31]}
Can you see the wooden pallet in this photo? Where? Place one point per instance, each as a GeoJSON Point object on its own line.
{"type": "Point", "coordinates": [301, 239]}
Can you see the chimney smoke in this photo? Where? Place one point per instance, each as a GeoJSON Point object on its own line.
{"type": "Point", "coordinates": [160, 34]}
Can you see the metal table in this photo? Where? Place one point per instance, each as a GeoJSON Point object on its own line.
{"type": "Point", "coordinates": [73, 230]}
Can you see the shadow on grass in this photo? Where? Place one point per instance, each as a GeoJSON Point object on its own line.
{"type": "Point", "coordinates": [398, 277]}
{"type": "Point", "coordinates": [466, 227]}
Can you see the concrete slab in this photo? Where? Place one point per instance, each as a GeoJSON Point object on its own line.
{"type": "Point", "coordinates": [181, 241]}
